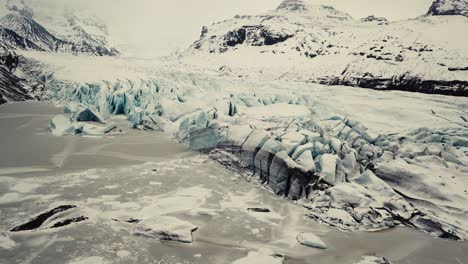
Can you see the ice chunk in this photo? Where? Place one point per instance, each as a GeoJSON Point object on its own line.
{"type": "Point", "coordinates": [311, 240]}
{"type": "Point", "coordinates": [351, 166]}
{"type": "Point", "coordinates": [292, 140]}
{"type": "Point", "coordinates": [60, 125]}
{"type": "Point", "coordinates": [86, 114]}
{"type": "Point", "coordinates": [72, 107]}
{"type": "Point", "coordinates": [372, 182]}
{"type": "Point", "coordinates": [93, 130]}
{"type": "Point", "coordinates": [265, 155]}
{"type": "Point", "coordinates": [307, 161]}
{"type": "Point", "coordinates": [327, 166]}
{"type": "Point", "coordinates": [153, 122]}
{"type": "Point", "coordinates": [259, 258]}
{"type": "Point", "coordinates": [204, 139]}
{"type": "Point", "coordinates": [165, 228]}
{"type": "Point", "coordinates": [301, 149]}
{"type": "Point", "coordinates": [6, 242]}
{"type": "Point", "coordinates": [286, 175]}
{"type": "Point", "coordinates": [252, 145]}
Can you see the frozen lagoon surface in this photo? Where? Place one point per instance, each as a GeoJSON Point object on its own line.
{"type": "Point", "coordinates": [120, 184]}
{"type": "Point", "coordinates": [139, 175]}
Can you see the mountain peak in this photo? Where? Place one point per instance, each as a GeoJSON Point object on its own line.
{"type": "Point", "coordinates": [310, 11]}
{"type": "Point", "coordinates": [448, 8]}
{"type": "Point", "coordinates": [292, 5]}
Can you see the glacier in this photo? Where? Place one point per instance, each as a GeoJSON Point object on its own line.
{"type": "Point", "coordinates": [272, 108]}
{"type": "Point", "coordinates": [306, 142]}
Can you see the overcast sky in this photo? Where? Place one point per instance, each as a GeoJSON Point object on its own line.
{"type": "Point", "coordinates": [156, 27]}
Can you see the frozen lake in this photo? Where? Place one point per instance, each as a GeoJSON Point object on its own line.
{"type": "Point", "coordinates": [138, 175]}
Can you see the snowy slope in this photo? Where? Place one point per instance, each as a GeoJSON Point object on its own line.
{"type": "Point", "coordinates": [300, 41]}
{"type": "Point", "coordinates": [12, 88]}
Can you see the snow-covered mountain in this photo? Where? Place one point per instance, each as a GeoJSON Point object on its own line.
{"type": "Point", "coordinates": [306, 42]}
{"type": "Point", "coordinates": [63, 32]}
{"type": "Point", "coordinates": [32, 31]}
{"type": "Point", "coordinates": [11, 40]}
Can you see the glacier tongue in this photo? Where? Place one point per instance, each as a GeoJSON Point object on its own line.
{"type": "Point", "coordinates": [304, 142]}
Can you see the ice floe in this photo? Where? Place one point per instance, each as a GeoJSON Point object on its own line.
{"type": "Point", "coordinates": [165, 228]}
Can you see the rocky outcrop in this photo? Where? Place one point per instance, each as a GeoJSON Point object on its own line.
{"type": "Point", "coordinates": [253, 36]}
{"type": "Point", "coordinates": [12, 88]}
{"type": "Point", "coordinates": [402, 83]}
{"type": "Point", "coordinates": [10, 40]}
{"type": "Point", "coordinates": [448, 8]}
{"type": "Point", "coordinates": [292, 5]}
{"type": "Point", "coordinates": [312, 43]}
{"type": "Point", "coordinates": [373, 18]}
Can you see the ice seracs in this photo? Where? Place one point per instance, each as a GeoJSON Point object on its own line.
{"type": "Point", "coordinates": [290, 138]}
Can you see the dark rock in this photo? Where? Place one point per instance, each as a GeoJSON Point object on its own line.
{"type": "Point", "coordinates": [458, 68]}
{"type": "Point", "coordinates": [204, 31]}
{"type": "Point", "coordinates": [37, 221]}
{"type": "Point", "coordinates": [133, 221]}
{"type": "Point", "coordinates": [235, 37]}
{"type": "Point", "coordinates": [373, 18]}
{"type": "Point", "coordinates": [259, 210]}
{"type": "Point", "coordinates": [255, 36]}
{"type": "Point", "coordinates": [69, 221]}
{"type": "Point", "coordinates": [399, 58]}
{"type": "Point", "coordinates": [402, 83]}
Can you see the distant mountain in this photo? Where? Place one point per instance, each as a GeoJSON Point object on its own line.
{"type": "Point", "coordinates": [313, 43]}
{"type": "Point", "coordinates": [11, 40]}
{"type": "Point", "coordinates": [59, 33]}
{"type": "Point", "coordinates": [32, 31]}
{"type": "Point", "coordinates": [449, 7]}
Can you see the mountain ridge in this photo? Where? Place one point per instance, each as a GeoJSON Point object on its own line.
{"type": "Point", "coordinates": [305, 43]}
